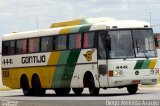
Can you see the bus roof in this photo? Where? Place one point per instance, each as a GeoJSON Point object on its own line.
{"type": "Point", "coordinates": [81, 22]}
{"type": "Point", "coordinates": [90, 26]}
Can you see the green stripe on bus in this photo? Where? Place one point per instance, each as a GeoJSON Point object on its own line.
{"type": "Point", "coordinates": [139, 64]}
{"type": "Point", "coordinates": [84, 28]}
{"type": "Point", "coordinates": [63, 57]}
{"type": "Point", "coordinates": [73, 57]}
{"type": "Point", "coordinates": [60, 69]}
{"type": "Point", "coordinates": [58, 76]}
{"type": "Point", "coordinates": [145, 64]}
{"type": "Point", "coordinates": [69, 69]}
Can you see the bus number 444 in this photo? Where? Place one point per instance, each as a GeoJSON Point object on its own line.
{"type": "Point", "coordinates": [122, 67]}
{"type": "Point", "coordinates": [7, 61]}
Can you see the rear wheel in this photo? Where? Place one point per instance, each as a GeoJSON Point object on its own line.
{"type": "Point", "coordinates": [36, 86]}
{"type": "Point", "coordinates": [77, 91]}
{"type": "Point", "coordinates": [27, 91]}
{"type": "Point", "coordinates": [62, 91]}
{"type": "Point", "coordinates": [132, 89]}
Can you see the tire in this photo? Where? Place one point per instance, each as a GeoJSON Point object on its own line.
{"type": "Point", "coordinates": [62, 91]}
{"type": "Point", "coordinates": [24, 83]}
{"type": "Point", "coordinates": [36, 86]}
{"type": "Point", "coordinates": [132, 89]}
{"type": "Point", "coordinates": [92, 89]}
{"type": "Point", "coordinates": [77, 91]}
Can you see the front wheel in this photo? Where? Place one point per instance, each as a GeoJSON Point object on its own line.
{"type": "Point", "coordinates": [77, 91]}
{"type": "Point", "coordinates": [92, 89]}
{"type": "Point", "coordinates": [132, 89]}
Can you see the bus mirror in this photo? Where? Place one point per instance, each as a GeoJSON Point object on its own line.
{"type": "Point", "coordinates": [156, 41]}
{"type": "Point", "coordinates": [108, 43]}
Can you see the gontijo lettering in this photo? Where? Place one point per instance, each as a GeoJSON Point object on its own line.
{"type": "Point", "coordinates": [33, 59]}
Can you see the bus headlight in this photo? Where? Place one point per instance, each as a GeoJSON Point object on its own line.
{"type": "Point", "coordinates": [118, 73]}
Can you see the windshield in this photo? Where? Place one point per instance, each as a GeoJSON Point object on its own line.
{"type": "Point", "coordinates": [131, 43]}
{"type": "Point", "coordinates": [121, 44]}
{"type": "Point", "coordinates": [144, 43]}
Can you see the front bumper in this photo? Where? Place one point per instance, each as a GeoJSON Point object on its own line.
{"type": "Point", "coordinates": [124, 81]}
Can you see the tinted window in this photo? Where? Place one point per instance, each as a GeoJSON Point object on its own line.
{"type": "Point", "coordinates": [60, 42]}
{"type": "Point", "coordinates": [74, 41]}
{"type": "Point", "coordinates": [8, 48]}
{"type": "Point", "coordinates": [34, 45]}
{"type": "Point", "coordinates": [21, 46]}
{"type": "Point", "coordinates": [88, 39]}
{"type": "Point", "coordinates": [46, 44]}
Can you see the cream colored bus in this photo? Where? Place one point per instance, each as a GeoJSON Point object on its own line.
{"type": "Point", "coordinates": [89, 53]}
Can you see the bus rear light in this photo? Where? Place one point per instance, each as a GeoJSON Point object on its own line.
{"type": "Point", "coordinates": [110, 73]}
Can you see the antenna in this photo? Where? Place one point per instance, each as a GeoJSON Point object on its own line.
{"type": "Point", "coordinates": [150, 17]}
{"type": "Point", "coordinates": [37, 22]}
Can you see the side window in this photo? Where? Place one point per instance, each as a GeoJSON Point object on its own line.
{"type": "Point", "coordinates": [46, 44]}
{"type": "Point", "coordinates": [89, 39]}
{"type": "Point", "coordinates": [21, 46]}
{"type": "Point", "coordinates": [61, 42]}
{"type": "Point", "coordinates": [5, 48]}
{"type": "Point", "coordinates": [34, 45]}
{"type": "Point", "coordinates": [75, 41]}
{"type": "Point", "coordinates": [8, 48]}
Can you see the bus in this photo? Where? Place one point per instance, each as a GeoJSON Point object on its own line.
{"type": "Point", "coordinates": [88, 53]}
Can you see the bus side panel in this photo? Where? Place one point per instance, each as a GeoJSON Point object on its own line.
{"type": "Point", "coordinates": [65, 68]}
{"type": "Point", "coordinates": [80, 70]}
{"type": "Point", "coordinates": [60, 70]}
{"type": "Point", "coordinates": [87, 61]}
{"type": "Point", "coordinates": [45, 74]}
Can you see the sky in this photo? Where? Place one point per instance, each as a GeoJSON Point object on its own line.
{"type": "Point", "coordinates": [23, 15]}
